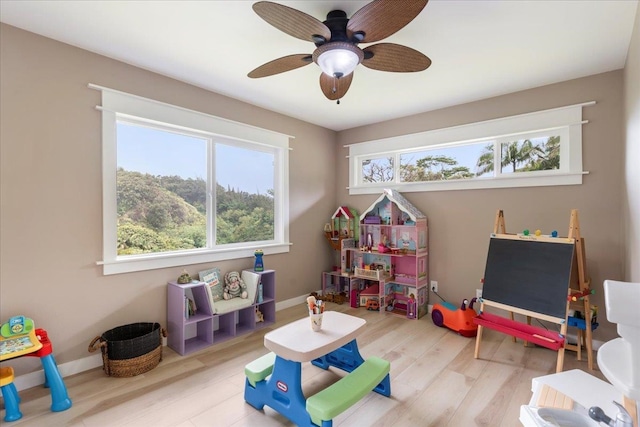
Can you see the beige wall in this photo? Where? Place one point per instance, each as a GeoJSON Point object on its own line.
{"type": "Point", "coordinates": [460, 221]}
{"type": "Point", "coordinates": [632, 155]}
{"type": "Point", "coordinates": [51, 222]}
{"type": "Point", "coordinates": [51, 193]}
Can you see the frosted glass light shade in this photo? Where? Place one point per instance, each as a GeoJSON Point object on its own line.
{"type": "Point", "coordinates": [338, 59]}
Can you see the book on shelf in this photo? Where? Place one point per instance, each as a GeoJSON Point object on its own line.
{"type": "Point", "coordinates": [190, 307]}
{"type": "Point", "coordinates": [215, 288]}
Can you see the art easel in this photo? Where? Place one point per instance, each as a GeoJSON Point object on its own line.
{"type": "Point", "coordinates": [577, 288]}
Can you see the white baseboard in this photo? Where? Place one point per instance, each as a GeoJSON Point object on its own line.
{"type": "Point", "coordinates": [33, 379]}
{"type": "Point", "coordinates": [36, 378]}
{"type": "Point", "coordinates": [291, 302]}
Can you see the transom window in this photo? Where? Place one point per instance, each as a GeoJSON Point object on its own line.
{"type": "Point", "coordinates": [181, 187]}
{"type": "Point", "coordinates": [497, 153]}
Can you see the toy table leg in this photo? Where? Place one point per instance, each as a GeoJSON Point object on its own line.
{"type": "Point", "coordinates": [11, 403]}
{"type": "Point", "coordinates": [348, 358]}
{"type": "Point", "coordinates": [282, 391]}
{"type": "Point", "coordinates": [59, 398]}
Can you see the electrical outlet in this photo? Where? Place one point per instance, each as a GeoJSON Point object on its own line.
{"type": "Point", "coordinates": [478, 293]}
{"type": "Point", "coordinates": [434, 286]}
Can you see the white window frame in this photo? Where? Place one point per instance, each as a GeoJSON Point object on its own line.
{"type": "Point", "coordinates": [116, 104]}
{"type": "Point", "coordinates": [564, 121]}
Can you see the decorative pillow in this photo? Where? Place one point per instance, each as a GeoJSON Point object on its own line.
{"type": "Point", "coordinates": [213, 279]}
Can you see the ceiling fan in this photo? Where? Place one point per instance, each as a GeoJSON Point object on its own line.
{"type": "Point", "coordinates": [336, 39]}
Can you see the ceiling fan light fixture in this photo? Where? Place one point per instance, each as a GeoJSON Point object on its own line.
{"type": "Point", "coordinates": [337, 59]}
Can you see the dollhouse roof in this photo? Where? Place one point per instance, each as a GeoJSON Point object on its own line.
{"type": "Point", "coordinates": [403, 204]}
{"type": "Point", "coordinates": [343, 211]}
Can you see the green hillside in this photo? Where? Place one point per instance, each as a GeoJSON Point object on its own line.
{"type": "Point", "coordinates": [168, 213]}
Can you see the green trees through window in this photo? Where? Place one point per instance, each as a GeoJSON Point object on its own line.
{"type": "Point", "coordinates": [168, 213]}
{"type": "Point", "coordinates": [467, 161]}
{"type": "Point", "coordinates": [162, 192]}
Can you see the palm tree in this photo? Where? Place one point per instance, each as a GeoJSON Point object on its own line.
{"type": "Point", "coordinates": [516, 153]}
{"type": "Point", "coordinates": [550, 157]}
{"type": "Point", "coordinates": [485, 161]}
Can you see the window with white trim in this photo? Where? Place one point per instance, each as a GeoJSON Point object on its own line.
{"type": "Point", "coordinates": [535, 149]}
{"type": "Point", "coordinates": [182, 187]}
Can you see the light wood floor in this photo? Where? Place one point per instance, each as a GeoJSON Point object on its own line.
{"type": "Point", "coordinates": [435, 381]}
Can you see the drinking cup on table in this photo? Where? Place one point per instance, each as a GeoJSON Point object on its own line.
{"type": "Point", "coordinates": [316, 321]}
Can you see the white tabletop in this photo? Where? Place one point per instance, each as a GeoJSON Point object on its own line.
{"type": "Point", "coordinates": [297, 342]}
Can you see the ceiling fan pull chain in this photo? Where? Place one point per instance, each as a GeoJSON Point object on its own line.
{"type": "Point", "coordinates": [334, 90]}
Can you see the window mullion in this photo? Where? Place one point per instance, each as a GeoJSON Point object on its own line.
{"type": "Point", "coordinates": [497, 157]}
{"type": "Point", "coordinates": [211, 193]}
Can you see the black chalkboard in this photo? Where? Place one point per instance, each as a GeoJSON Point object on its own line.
{"type": "Point", "coordinates": [529, 274]}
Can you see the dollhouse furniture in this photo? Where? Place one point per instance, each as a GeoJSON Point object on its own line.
{"type": "Point", "coordinates": [274, 380]}
{"type": "Point", "coordinates": [9, 395]}
{"type": "Point", "coordinates": [393, 253]}
{"type": "Point", "coordinates": [221, 321]}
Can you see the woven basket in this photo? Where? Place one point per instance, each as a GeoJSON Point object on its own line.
{"type": "Point", "coordinates": [130, 350]}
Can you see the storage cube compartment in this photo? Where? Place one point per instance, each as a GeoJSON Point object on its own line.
{"type": "Point", "coordinates": [246, 320]}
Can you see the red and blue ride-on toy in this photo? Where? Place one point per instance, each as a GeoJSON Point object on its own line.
{"type": "Point", "coordinates": [458, 319]}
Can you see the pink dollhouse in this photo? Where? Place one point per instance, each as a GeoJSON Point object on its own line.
{"type": "Point", "coordinates": [393, 252]}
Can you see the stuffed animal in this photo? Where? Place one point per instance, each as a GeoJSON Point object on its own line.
{"type": "Point", "coordinates": [259, 316]}
{"type": "Point", "coordinates": [234, 286]}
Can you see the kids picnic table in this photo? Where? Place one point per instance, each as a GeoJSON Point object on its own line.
{"type": "Point", "coordinates": [275, 380]}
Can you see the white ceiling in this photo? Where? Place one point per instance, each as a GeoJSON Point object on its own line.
{"type": "Point", "coordinates": [479, 49]}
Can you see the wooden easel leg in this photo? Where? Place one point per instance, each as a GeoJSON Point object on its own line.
{"type": "Point", "coordinates": [560, 363]}
{"type": "Point", "coordinates": [580, 342]}
{"type": "Point", "coordinates": [478, 339]}
{"type": "Point", "coordinates": [499, 226]}
{"type": "Point", "coordinates": [586, 306]}
{"type": "Point", "coordinates": [574, 233]}
{"type": "Point", "coordinates": [632, 408]}
{"type": "Point", "coordinates": [527, 343]}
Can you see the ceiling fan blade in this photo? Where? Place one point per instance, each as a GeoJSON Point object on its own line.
{"type": "Point", "coordinates": [293, 22]}
{"type": "Point", "coordinates": [335, 88]}
{"type": "Point", "coordinates": [381, 18]}
{"type": "Point", "coordinates": [394, 57]}
{"type": "Point", "coordinates": [280, 65]}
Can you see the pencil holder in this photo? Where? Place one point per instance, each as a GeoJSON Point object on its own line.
{"type": "Point", "coordinates": [316, 321]}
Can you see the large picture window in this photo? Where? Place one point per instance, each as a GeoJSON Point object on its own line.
{"type": "Point", "coordinates": [536, 149]}
{"type": "Point", "coordinates": [181, 187]}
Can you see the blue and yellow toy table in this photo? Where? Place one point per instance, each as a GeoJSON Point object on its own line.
{"type": "Point", "coordinates": [19, 337]}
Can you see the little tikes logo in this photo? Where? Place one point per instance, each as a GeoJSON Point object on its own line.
{"type": "Point", "coordinates": [282, 386]}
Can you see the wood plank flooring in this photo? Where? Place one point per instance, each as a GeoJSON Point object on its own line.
{"type": "Point", "coordinates": [435, 381]}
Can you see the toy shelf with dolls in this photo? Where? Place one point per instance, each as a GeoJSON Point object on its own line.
{"type": "Point", "coordinates": [392, 257]}
{"type": "Point", "coordinates": [213, 322]}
